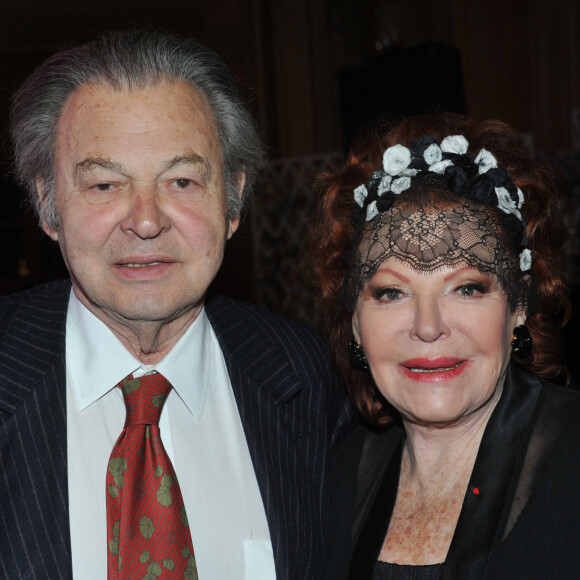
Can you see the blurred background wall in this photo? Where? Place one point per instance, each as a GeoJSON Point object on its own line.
{"type": "Point", "coordinates": [312, 70]}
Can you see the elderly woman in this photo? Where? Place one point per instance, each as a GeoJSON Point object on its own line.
{"type": "Point", "coordinates": [439, 258]}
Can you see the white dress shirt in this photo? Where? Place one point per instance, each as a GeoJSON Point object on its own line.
{"type": "Point", "coordinates": [201, 431]}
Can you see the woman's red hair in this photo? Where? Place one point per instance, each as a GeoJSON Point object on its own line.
{"type": "Point", "coordinates": [549, 308]}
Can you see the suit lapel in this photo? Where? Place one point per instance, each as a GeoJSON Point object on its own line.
{"type": "Point", "coordinates": [277, 423]}
{"type": "Point", "coordinates": [247, 347]}
{"type": "Point", "coordinates": [33, 488]}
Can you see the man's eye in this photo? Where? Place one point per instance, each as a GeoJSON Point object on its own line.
{"type": "Point", "coordinates": [183, 183]}
{"type": "Point", "coordinates": [104, 186]}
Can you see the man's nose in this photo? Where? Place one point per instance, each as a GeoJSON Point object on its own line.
{"type": "Point", "coordinates": [145, 215]}
{"type": "Point", "coordinates": [429, 324]}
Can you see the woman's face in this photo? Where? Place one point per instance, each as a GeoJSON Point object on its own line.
{"type": "Point", "coordinates": [438, 343]}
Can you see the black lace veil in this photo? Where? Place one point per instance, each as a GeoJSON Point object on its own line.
{"type": "Point", "coordinates": [429, 227]}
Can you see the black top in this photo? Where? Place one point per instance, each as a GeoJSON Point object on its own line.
{"type": "Point", "coordinates": [525, 521]}
{"type": "Point", "coordinates": [388, 571]}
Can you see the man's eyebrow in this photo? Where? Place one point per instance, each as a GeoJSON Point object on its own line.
{"type": "Point", "coordinates": [191, 159]}
{"type": "Point", "coordinates": [91, 163]}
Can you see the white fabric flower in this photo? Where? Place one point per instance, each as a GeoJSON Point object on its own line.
{"type": "Point", "coordinates": [520, 198]}
{"type": "Point", "coordinates": [432, 154]}
{"type": "Point", "coordinates": [372, 210]}
{"type": "Point", "coordinates": [454, 144]}
{"type": "Point", "coordinates": [440, 166]}
{"type": "Point", "coordinates": [384, 185]}
{"type": "Point", "coordinates": [486, 161]}
{"type": "Point", "coordinates": [396, 159]}
{"type": "Point", "coordinates": [525, 260]}
{"type": "Point", "coordinates": [506, 203]}
{"type": "Point", "coordinates": [360, 194]}
{"type": "Point", "coordinates": [400, 184]}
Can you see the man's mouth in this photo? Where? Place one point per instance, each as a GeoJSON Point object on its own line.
{"type": "Point", "coordinates": [141, 265]}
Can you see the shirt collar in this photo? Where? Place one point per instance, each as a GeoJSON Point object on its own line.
{"type": "Point", "coordinates": [97, 360]}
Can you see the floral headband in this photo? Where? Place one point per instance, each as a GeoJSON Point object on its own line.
{"type": "Point", "coordinates": [476, 178]}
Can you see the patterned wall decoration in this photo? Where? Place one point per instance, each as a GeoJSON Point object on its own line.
{"type": "Point", "coordinates": [280, 219]}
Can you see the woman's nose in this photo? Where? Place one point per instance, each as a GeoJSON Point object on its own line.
{"type": "Point", "coordinates": [429, 324]}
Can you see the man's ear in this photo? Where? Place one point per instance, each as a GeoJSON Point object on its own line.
{"type": "Point", "coordinates": [235, 222]}
{"type": "Point", "coordinates": [42, 196]}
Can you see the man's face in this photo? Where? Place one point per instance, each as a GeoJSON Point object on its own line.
{"type": "Point", "coordinates": [141, 198]}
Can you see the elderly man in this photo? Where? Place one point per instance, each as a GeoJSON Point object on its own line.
{"type": "Point", "coordinates": [139, 155]}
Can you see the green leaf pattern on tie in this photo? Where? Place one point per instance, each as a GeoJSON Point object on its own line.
{"type": "Point", "coordinates": [114, 543]}
{"type": "Point", "coordinates": [158, 400]}
{"type": "Point", "coordinates": [116, 467]}
{"type": "Point", "coordinates": [168, 563]}
{"type": "Point", "coordinates": [154, 569]}
{"type": "Point", "coordinates": [131, 386]}
{"type": "Point", "coordinates": [164, 496]}
{"type": "Point", "coordinates": [183, 517]}
{"type": "Point", "coordinates": [146, 526]}
{"type": "Point", "coordinates": [190, 572]}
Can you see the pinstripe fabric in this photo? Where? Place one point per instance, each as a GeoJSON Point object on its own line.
{"type": "Point", "coordinates": [291, 409]}
{"type": "Point", "coordinates": [290, 405]}
{"type": "Point", "coordinates": [34, 535]}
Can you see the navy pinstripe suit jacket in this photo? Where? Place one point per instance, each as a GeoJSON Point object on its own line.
{"type": "Point", "coordinates": [290, 404]}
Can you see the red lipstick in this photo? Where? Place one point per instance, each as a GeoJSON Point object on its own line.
{"type": "Point", "coordinates": [433, 370]}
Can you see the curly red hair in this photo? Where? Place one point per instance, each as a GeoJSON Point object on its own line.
{"type": "Point", "coordinates": [332, 236]}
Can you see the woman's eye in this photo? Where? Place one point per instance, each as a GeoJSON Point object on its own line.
{"type": "Point", "coordinates": [469, 290]}
{"type": "Point", "coordinates": [389, 294]}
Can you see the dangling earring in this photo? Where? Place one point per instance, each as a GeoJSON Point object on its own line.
{"type": "Point", "coordinates": [521, 341]}
{"type": "Point", "coordinates": [357, 356]}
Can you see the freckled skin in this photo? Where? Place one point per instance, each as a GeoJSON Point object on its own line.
{"type": "Point", "coordinates": [424, 518]}
{"type": "Point", "coordinates": [140, 182]}
{"type": "Point", "coordinates": [452, 314]}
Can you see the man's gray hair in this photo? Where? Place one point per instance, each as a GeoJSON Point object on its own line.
{"type": "Point", "coordinates": [133, 60]}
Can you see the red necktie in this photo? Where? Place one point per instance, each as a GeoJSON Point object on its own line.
{"type": "Point", "coordinates": [147, 531]}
